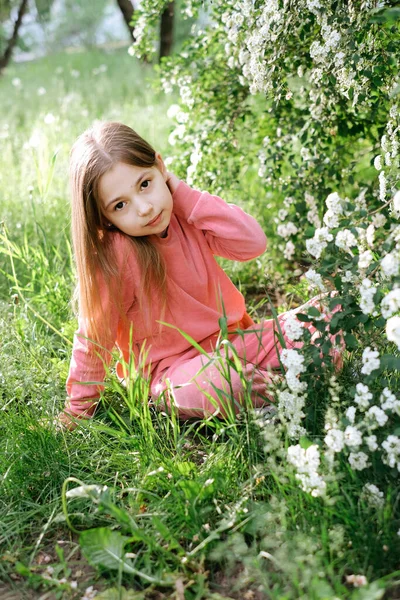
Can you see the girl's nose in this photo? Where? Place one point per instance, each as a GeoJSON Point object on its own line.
{"type": "Point", "coordinates": [144, 209]}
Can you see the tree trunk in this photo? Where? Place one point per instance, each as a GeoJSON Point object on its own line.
{"type": "Point", "coordinates": [127, 10]}
{"type": "Point", "coordinates": [4, 60]}
{"type": "Point", "coordinates": [167, 30]}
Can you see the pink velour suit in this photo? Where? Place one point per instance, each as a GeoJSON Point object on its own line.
{"type": "Point", "coordinates": [199, 294]}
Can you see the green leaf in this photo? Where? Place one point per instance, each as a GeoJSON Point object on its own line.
{"type": "Point", "coordinates": [351, 340]}
{"type": "Point", "coordinates": [390, 362]}
{"type": "Point", "coordinates": [335, 302]}
{"type": "Point", "coordinates": [303, 318]}
{"type": "Point", "coordinates": [313, 311]}
{"type": "Point", "coordinates": [388, 15]}
{"type": "Point", "coordinates": [103, 547]}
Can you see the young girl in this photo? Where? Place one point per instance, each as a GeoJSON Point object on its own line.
{"type": "Point", "coordinates": [144, 245]}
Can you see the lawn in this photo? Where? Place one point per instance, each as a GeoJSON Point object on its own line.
{"type": "Point", "coordinates": [203, 509]}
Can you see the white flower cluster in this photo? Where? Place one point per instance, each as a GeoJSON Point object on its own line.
{"type": "Point", "coordinates": [319, 52]}
{"type": "Point", "coordinates": [334, 389]}
{"type": "Point", "coordinates": [390, 140]}
{"type": "Point", "coordinates": [393, 330]}
{"type": "Point", "coordinates": [390, 264]}
{"type": "Point", "coordinates": [262, 29]}
{"type": "Point", "coordinates": [365, 259]}
{"type": "Point", "coordinates": [290, 408]}
{"type": "Point", "coordinates": [376, 417]}
{"type": "Point", "coordinates": [370, 359]}
{"type": "Point", "coordinates": [312, 214]}
{"type": "Point", "coordinates": [289, 250]}
{"type": "Point", "coordinates": [293, 328]}
{"type": "Point", "coordinates": [367, 293]}
{"type": "Point", "coordinates": [319, 241]}
{"type": "Point", "coordinates": [293, 361]}
{"type": "Point", "coordinates": [315, 280]}
{"type": "Point", "coordinates": [373, 495]}
{"type": "Point", "coordinates": [396, 204]}
{"type": "Point", "coordinates": [358, 461]}
{"type": "Point", "coordinates": [285, 230]}
{"type": "Point", "coordinates": [389, 401]}
{"type": "Point", "coordinates": [292, 402]}
{"type": "Point", "coordinates": [345, 240]}
{"type": "Point", "coordinates": [382, 186]}
{"type": "Point", "coordinates": [363, 396]}
{"type": "Point", "coordinates": [306, 463]}
{"type": "Point", "coordinates": [335, 209]}
{"type": "Point", "coordinates": [392, 448]}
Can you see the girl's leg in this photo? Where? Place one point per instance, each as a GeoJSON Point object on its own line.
{"type": "Point", "coordinates": [259, 344]}
{"type": "Point", "coordinates": [203, 386]}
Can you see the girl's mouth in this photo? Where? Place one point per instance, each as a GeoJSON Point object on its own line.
{"type": "Point", "coordinates": [155, 221]}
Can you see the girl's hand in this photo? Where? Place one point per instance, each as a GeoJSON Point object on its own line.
{"type": "Point", "coordinates": [172, 182]}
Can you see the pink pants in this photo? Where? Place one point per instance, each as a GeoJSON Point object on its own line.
{"type": "Point", "coordinates": [198, 386]}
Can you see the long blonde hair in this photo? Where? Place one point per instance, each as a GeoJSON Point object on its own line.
{"type": "Point", "coordinates": [94, 153]}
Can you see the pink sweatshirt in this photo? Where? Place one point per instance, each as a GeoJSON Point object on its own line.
{"type": "Point", "coordinates": [201, 226]}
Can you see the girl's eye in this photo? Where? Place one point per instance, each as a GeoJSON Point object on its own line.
{"type": "Point", "coordinates": [119, 206]}
{"type": "Point", "coordinates": [145, 183]}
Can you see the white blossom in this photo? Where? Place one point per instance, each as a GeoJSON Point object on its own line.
{"type": "Point", "coordinates": [315, 280]}
{"type": "Point", "coordinates": [379, 220]}
{"type": "Point", "coordinates": [334, 203]}
{"type": "Point", "coordinates": [373, 495]}
{"type": "Point", "coordinates": [292, 359]}
{"type": "Point", "coordinates": [363, 396]}
{"type": "Point", "coordinates": [377, 415]}
{"type": "Point", "coordinates": [367, 293]}
{"type": "Point", "coordinates": [289, 250]}
{"type": "Point", "coordinates": [382, 186]}
{"type": "Point", "coordinates": [370, 235]}
{"type": "Point", "coordinates": [352, 436]}
{"type": "Point", "coordinates": [378, 162]}
{"type": "Point", "coordinates": [393, 330]}
{"type": "Point", "coordinates": [306, 463]}
{"type": "Point", "coordinates": [286, 230]}
{"type": "Point", "coordinates": [331, 219]}
{"type": "Point", "coordinates": [391, 303]}
{"type": "Point", "coordinates": [389, 401]}
{"type": "Point", "coordinates": [371, 442]}
{"type": "Point", "coordinates": [358, 461]}
{"type": "Point", "coordinates": [351, 414]}
{"type": "Point", "coordinates": [356, 580]}
{"type": "Point", "coordinates": [305, 154]}
{"type": "Point", "coordinates": [293, 328]}
{"type": "Point", "coordinates": [345, 240]}
{"type": "Point", "coordinates": [334, 439]}
{"type": "Point", "coordinates": [319, 242]}
{"type": "Point", "coordinates": [365, 259]}
{"type": "Point", "coordinates": [348, 277]}
{"type": "Point", "coordinates": [390, 264]}
{"type": "Point", "coordinates": [392, 448]}
{"type": "Point", "coordinates": [370, 359]}
{"type": "Point", "coordinates": [396, 204]}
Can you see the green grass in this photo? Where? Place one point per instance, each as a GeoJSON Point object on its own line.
{"type": "Point", "coordinates": [208, 508]}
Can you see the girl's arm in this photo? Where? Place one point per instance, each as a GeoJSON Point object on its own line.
{"type": "Point", "coordinates": [89, 361]}
{"type": "Point", "coordinates": [230, 232]}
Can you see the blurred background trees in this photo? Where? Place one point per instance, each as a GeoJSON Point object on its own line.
{"type": "Point", "coordinates": [32, 29]}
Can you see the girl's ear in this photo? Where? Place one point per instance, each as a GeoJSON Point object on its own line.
{"type": "Point", "coordinates": [161, 166]}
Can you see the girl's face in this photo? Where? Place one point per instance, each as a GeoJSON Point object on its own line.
{"type": "Point", "coordinates": [137, 200]}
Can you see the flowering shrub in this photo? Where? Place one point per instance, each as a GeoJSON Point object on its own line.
{"type": "Point", "coordinates": [309, 91]}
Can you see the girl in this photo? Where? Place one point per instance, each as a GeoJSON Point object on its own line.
{"type": "Point", "coordinates": [144, 245]}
